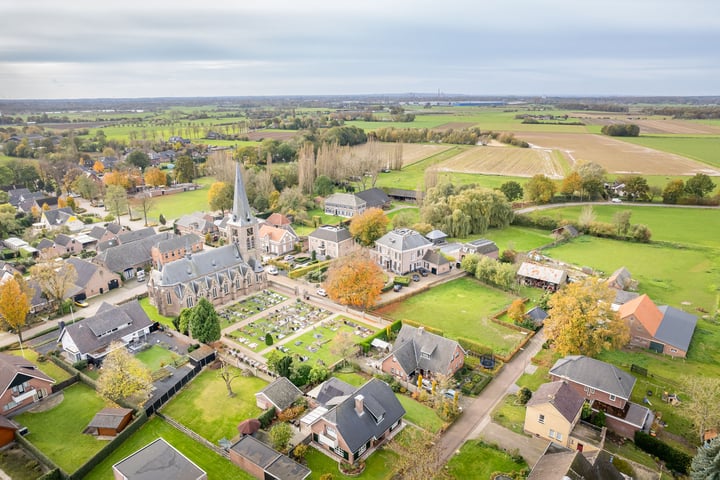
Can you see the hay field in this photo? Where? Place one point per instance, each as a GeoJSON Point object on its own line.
{"type": "Point", "coordinates": [517, 162]}
{"type": "Point", "coordinates": [650, 125]}
{"type": "Point", "coordinates": [618, 156]}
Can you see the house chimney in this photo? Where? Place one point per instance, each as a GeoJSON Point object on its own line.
{"type": "Point", "coordinates": [359, 404]}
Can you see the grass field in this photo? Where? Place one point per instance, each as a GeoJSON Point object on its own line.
{"type": "Point", "coordinates": [156, 357]}
{"type": "Point", "coordinates": [204, 406]}
{"type": "Point", "coordinates": [461, 308]}
{"type": "Point", "coordinates": [517, 238]}
{"type": "Point", "coordinates": [505, 160]}
{"type": "Point", "coordinates": [379, 466]}
{"type": "Point", "coordinates": [214, 465]}
{"type": "Point", "coordinates": [411, 152]}
{"type": "Point", "coordinates": [152, 312]}
{"type": "Point", "coordinates": [667, 274]}
{"type": "Point", "coordinates": [179, 204]}
{"type": "Point", "coordinates": [510, 414]}
{"type": "Point", "coordinates": [58, 432]}
{"type": "Point", "coordinates": [466, 464]}
{"type": "Point", "coordinates": [668, 224]}
{"type": "Point", "coordinates": [47, 367]}
{"type": "Point", "coordinates": [705, 149]}
{"type": "Point", "coordinates": [419, 414]}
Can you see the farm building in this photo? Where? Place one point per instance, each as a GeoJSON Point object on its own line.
{"type": "Point", "coordinates": [534, 275]}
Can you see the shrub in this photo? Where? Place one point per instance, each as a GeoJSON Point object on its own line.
{"type": "Point", "coordinates": [268, 339]}
{"type": "Point", "coordinates": [524, 395]}
{"type": "Point", "coordinates": [300, 451]}
{"type": "Point", "coordinates": [674, 459]}
{"type": "Point", "coordinates": [623, 466]}
{"type": "Point", "coordinates": [327, 476]}
{"type": "Point", "coordinates": [267, 417]}
{"type": "Point", "coordinates": [400, 280]}
{"type": "Point", "coordinates": [81, 365]}
{"type": "Point", "coordinates": [473, 346]}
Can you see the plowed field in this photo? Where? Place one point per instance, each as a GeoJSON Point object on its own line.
{"type": "Point", "coordinates": [516, 162]}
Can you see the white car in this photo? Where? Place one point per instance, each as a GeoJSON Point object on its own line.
{"type": "Point", "coordinates": [272, 270]}
{"type": "Point", "coordinates": [321, 292]}
{"type": "Point", "coordinates": [289, 258]}
{"type": "Point", "coordinates": [616, 200]}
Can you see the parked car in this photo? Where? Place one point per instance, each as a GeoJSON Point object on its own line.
{"type": "Point", "coordinates": [272, 270]}
{"type": "Point", "coordinates": [140, 275]}
{"type": "Point", "coordinates": [423, 271]}
{"type": "Point", "coordinates": [81, 303]}
{"type": "Point", "coordinates": [321, 292]}
{"type": "Point", "coordinates": [616, 200]}
{"type": "Point", "coordinates": [416, 277]}
{"type": "Point", "coordinates": [449, 393]}
{"type": "Point", "coordinates": [289, 258]}
{"type": "Point", "coordinates": [397, 287]}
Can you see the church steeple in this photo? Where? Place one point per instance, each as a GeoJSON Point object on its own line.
{"type": "Point", "coordinates": [242, 228]}
{"type": "Point", "coordinates": [241, 207]}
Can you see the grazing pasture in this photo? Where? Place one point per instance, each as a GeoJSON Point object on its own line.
{"type": "Point", "coordinates": [505, 160]}
{"type": "Point", "coordinates": [618, 156]}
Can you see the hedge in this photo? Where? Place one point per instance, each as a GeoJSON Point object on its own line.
{"type": "Point", "coordinates": [44, 459]}
{"type": "Point", "coordinates": [267, 417]}
{"type": "Point", "coordinates": [53, 474]}
{"type": "Point", "coordinates": [674, 459]}
{"type": "Point", "coordinates": [299, 272]}
{"type": "Point", "coordinates": [401, 280]}
{"type": "Point", "coordinates": [365, 344]}
{"type": "Point", "coordinates": [473, 346]}
{"type": "Point", "coordinates": [436, 331]}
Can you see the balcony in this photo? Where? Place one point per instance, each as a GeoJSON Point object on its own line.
{"type": "Point", "coordinates": [24, 396]}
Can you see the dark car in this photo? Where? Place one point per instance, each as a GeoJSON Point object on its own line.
{"type": "Point", "coordinates": [416, 277]}
{"type": "Point", "coordinates": [397, 287]}
{"type": "Point", "coordinates": [423, 271]}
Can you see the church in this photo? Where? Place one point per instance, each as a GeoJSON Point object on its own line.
{"type": "Point", "coordinates": [222, 275]}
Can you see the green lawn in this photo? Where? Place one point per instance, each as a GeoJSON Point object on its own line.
{"type": "Point", "coordinates": [156, 357]}
{"type": "Point", "coordinates": [152, 312]}
{"type": "Point", "coordinates": [419, 414]}
{"type": "Point", "coordinates": [669, 275]}
{"type": "Point", "coordinates": [58, 432]}
{"type": "Point", "coordinates": [467, 465]}
{"type": "Point", "coordinates": [520, 239]}
{"type": "Point", "coordinates": [676, 225]}
{"type": "Point", "coordinates": [176, 205]}
{"type": "Point", "coordinates": [47, 367]}
{"type": "Point", "coordinates": [353, 379]}
{"type": "Point", "coordinates": [204, 406]}
{"type": "Point", "coordinates": [216, 466]}
{"type": "Point", "coordinates": [701, 148]}
{"type": "Point", "coordinates": [509, 414]}
{"type": "Point", "coordinates": [378, 466]}
{"type": "Point", "coordinates": [461, 308]}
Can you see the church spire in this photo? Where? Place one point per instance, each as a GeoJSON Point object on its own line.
{"type": "Point", "coordinates": [241, 207]}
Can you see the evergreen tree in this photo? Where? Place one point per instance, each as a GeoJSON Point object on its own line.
{"type": "Point", "coordinates": [706, 464]}
{"type": "Point", "coordinates": [204, 323]}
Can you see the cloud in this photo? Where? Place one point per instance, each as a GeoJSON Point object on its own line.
{"type": "Point", "coordinates": [141, 48]}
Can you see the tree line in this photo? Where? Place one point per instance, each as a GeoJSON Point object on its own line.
{"type": "Point", "coordinates": [621, 130]}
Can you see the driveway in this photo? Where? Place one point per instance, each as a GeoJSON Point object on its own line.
{"type": "Point", "coordinates": [531, 448]}
{"type": "Point", "coordinates": [477, 415]}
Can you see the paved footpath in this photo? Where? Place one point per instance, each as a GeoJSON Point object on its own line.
{"type": "Point", "coordinates": [477, 415]}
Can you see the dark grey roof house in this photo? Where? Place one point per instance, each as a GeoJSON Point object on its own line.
{"type": "Point", "coordinates": [331, 392]}
{"type": "Point", "coordinates": [126, 258]}
{"type": "Point", "coordinates": [437, 237]}
{"type": "Point", "coordinates": [90, 338]}
{"type": "Point", "coordinates": [353, 428]}
{"type": "Point", "coordinates": [418, 351]}
{"type": "Point", "coordinates": [136, 235]}
{"type": "Point", "coordinates": [281, 394]}
{"type": "Point", "coordinates": [375, 198]}
{"type": "Point", "coordinates": [559, 394]}
{"type": "Point", "coordinates": [595, 374]}
{"type": "Point", "coordinates": [537, 315]}
{"type": "Point", "coordinates": [264, 463]}
{"type": "Point", "coordinates": [158, 461]}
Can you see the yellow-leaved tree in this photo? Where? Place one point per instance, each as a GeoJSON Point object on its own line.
{"type": "Point", "coordinates": [581, 320]}
{"type": "Point", "coordinates": [355, 280]}
{"type": "Point", "coordinates": [123, 376]}
{"type": "Point", "coordinates": [368, 226]}
{"type": "Point", "coordinates": [14, 306]}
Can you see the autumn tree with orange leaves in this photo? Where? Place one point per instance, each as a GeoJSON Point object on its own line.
{"type": "Point", "coordinates": [14, 306]}
{"type": "Point", "coordinates": [154, 177]}
{"type": "Point", "coordinates": [581, 320]}
{"type": "Point", "coordinates": [355, 280]}
{"type": "Point", "coordinates": [368, 226]}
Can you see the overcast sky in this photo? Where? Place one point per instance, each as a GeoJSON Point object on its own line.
{"type": "Point", "coordinates": [153, 48]}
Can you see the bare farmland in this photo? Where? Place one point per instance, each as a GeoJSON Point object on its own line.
{"type": "Point", "coordinates": [655, 125]}
{"type": "Point", "coordinates": [412, 152]}
{"type": "Point", "coordinates": [516, 162]}
{"type": "Point", "coordinates": [618, 156]}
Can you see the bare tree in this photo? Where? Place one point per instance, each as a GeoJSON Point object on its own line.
{"type": "Point", "coordinates": [228, 374]}
{"type": "Point", "coordinates": [144, 202]}
{"type": "Point", "coordinates": [306, 168]}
